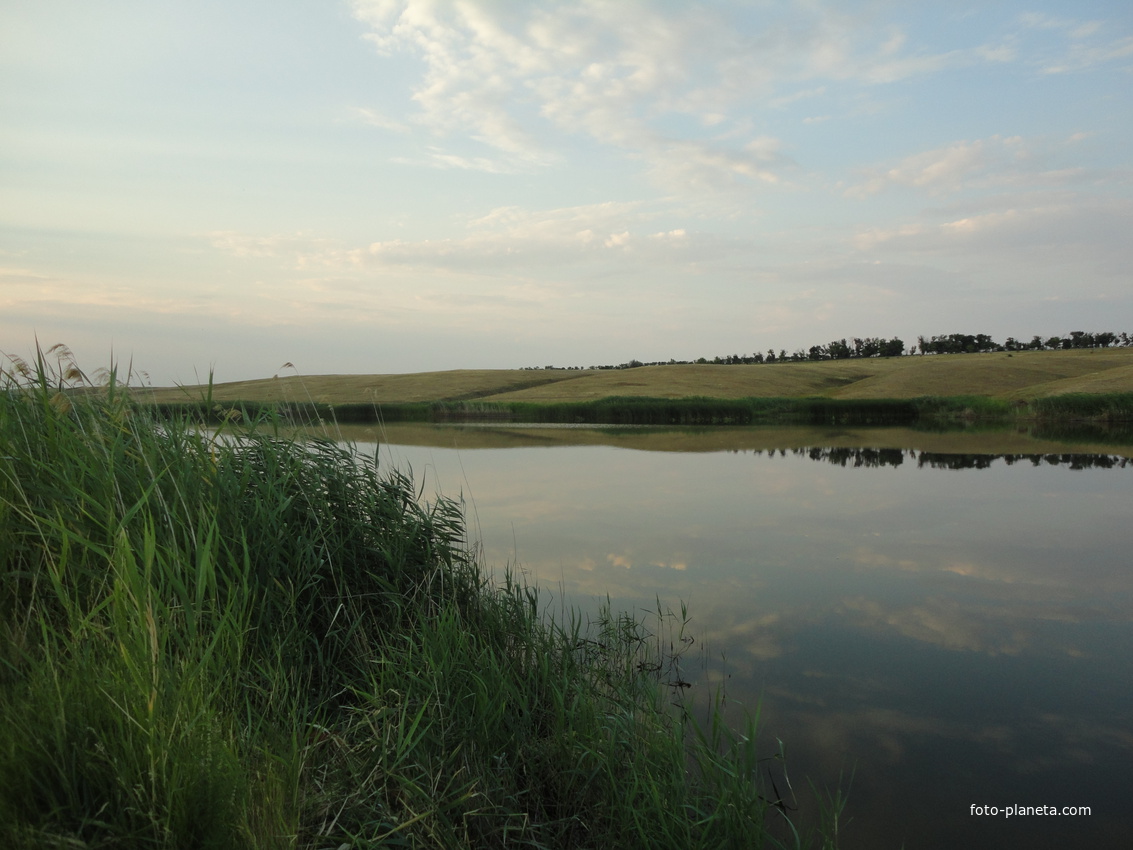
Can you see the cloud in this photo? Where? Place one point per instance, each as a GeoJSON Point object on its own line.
{"type": "Point", "coordinates": [376, 119]}
{"type": "Point", "coordinates": [1031, 228]}
{"type": "Point", "coordinates": [1082, 56]}
{"type": "Point", "coordinates": [302, 250]}
{"type": "Point", "coordinates": [592, 275]}
{"type": "Point", "coordinates": [1089, 43]}
{"type": "Point", "coordinates": [786, 100]}
{"type": "Point", "coordinates": [1075, 29]}
{"type": "Point", "coordinates": [437, 158]}
{"type": "Point", "coordinates": [882, 70]}
{"type": "Point", "coordinates": [940, 169]}
{"type": "Point", "coordinates": [993, 162]}
{"type": "Point", "coordinates": [657, 84]}
{"type": "Point", "coordinates": [944, 623]}
{"type": "Point", "coordinates": [498, 266]}
{"type": "Point", "coordinates": [12, 277]}
{"type": "Point", "coordinates": [619, 561]}
{"type": "Point", "coordinates": [517, 238]}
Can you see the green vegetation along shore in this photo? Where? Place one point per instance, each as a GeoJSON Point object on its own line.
{"type": "Point", "coordinates": [1038, 386]}
{"type": "Point", "coordinates": [227, 640]}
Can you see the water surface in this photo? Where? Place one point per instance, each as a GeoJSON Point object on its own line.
{"type": "Point", "coordinates": [948, 617]}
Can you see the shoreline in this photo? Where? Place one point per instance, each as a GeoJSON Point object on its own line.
{"type": "Point", "coordinates": [1108, 415]}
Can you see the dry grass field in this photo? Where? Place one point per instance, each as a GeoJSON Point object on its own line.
{"type": "Point", "coordinates": [1022, 375]}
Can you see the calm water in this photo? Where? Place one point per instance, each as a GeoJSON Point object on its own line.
{"type": "Point", "coordinates": [954, 629]}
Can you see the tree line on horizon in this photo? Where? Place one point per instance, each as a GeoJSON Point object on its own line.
{"type": "Point", "coordinates": [868, 347]}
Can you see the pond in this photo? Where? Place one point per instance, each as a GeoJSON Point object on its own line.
{"type": "Point", "coordinates": [948, 618]}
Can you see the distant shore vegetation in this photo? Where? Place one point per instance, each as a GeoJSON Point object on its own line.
{"type": "Point", "coordinates": [1087, 380]}
{"type": "Point", "coordinates": [858, 347]}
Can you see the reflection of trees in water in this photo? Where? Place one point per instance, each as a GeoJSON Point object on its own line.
{"type": "Point", "coordinates": [857, 457]}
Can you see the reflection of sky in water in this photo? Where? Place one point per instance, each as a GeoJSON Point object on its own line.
{"type": "Point", "coordinates": [961, 636]}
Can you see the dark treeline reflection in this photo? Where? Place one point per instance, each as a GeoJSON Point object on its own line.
{"type": "Point", "coordinates": [858, 457]}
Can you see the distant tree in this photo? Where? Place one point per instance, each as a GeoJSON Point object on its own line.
{"type": "Point", "coordinates": [961, 343]}
{"type": "Point", "coordinates": [870, 347]}
{"type": "Point", "coordinates": [894, 348]}
{"type": "Point", "coordinates": [770, 356]}
{"type": "Point", "coordinates": [838, 349]}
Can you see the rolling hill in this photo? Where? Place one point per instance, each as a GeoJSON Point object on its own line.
{"type": "Point", "coordinates": [1010, 376]}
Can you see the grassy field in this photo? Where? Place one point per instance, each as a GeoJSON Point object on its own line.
{"type": "Point", "coordinates": [241, 640]}
{"type": "Point", "coordinates": [1010, 377]}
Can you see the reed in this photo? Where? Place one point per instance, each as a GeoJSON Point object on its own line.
{"type": "Point", "coordinates": [1103, 408]}
{"type": "Point", "coordinates": [1107, 409]}
{"type": "Point", "coordinates": [228, 638]}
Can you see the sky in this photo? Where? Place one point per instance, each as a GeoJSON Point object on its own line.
{"type": "Point", "coordinates": [256, 187]}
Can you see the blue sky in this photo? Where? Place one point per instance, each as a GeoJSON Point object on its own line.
{"type": "Point", "coordinates": [383, 186]}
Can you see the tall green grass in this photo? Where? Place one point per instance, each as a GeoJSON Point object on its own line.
{"type": "Point", "coordinates": [1105, 407]}
{"type": "Point", "coordinates": [924, 411]}
{"type": "Point", "coordinates": [232, 639]}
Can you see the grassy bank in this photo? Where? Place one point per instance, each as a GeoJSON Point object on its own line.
{"type": "Point", "coordinates": [1099, 407]}
{"type": "Point", "coordinates": [218, 641]}
{"type": "Point", "coordinates": [1004, 376]}
{"type": "Point", "coordinates": [607, 411]}
{"type": "Point", "coordinates": [1104, 409]}
{"type": "Point", "coordinates": [1047, 387]}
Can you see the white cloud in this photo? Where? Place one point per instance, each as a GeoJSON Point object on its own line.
{"type": "Point", "coordinates": [11, 277]}
{"type": "Point", "coordinates": [635, 77]}
{"type": "Point", "coordinates": [1035, 236]}
{"type": "Point", "coordinates": [869, 239]}
{"type": "Point", "coordinates": [302, 249]}
{"type": "Point", "coordinates": [929, 63]}
{"type": "Point", "coordinates": [377, 119]}
{"type": "Point", "coordinates": [512, 239]}
{"type": "Point", "coordinates": [1082, 56]}
{"type": "Point", "coordinates": [786, 100]}
{"type": "Point", "coordinates": [1040, 20]}
{"type": "Point", "coordinates": [941, 169]}
{"type": "Point", "coordinates": [437, 158]}
{"type": "Point", "coordinates": [1089, 43]}
{"type": "Point", "coordinates": [982, 163]}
